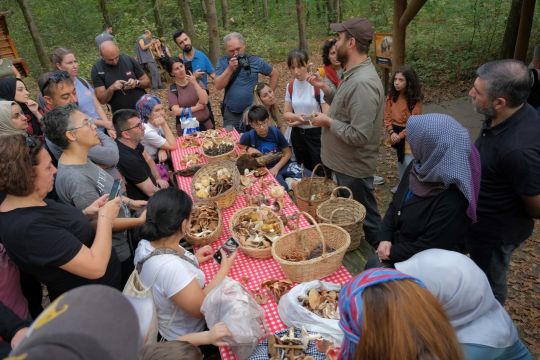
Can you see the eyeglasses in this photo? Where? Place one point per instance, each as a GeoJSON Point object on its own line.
{"type": "Point", "coordinates": [258, 124]}
{"type": "Point", "coordinates": [55, 78]}
{"type": "Point", "coordinates": [139, 125]}
{"type": "Point", "coordinates": [86, 122]}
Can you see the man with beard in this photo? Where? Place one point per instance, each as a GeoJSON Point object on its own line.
{"type": "Point", "coordinates": [351, 130]}
{"type": "Point", "coordinates": [194, 60]}
{"type": "Point", "coordinates": [510, 154]}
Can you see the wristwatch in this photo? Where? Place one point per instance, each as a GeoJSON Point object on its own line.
{"type": "Point", "coordinates": [137, 83]}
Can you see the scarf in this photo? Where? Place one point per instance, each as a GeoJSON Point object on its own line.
{"type": "Point", "coordinates": [8, 88]}
{"type": "Point", "coordinates": [6, 125]}
{"type": "Point", "coordinates": [145, 105]}
{"type": "Point", "coordinates": [443, 156]}
{"type": "Point", "coordinates": [350, 304]}
{"type": "Point", "coordinates": [463, 290]}
{"type": "Point", "coordinates": [331, 74]}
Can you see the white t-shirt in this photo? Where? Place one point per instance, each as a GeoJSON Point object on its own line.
{"type": "Point", "coordinates": [303, 99]}
{"type": "Point", "coordinates": [153, 139]}
{"type": "Point", "coordinates": [171, 274]}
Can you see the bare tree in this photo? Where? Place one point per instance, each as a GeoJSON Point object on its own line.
{"type": "Point", "coordinates": [334, 12]}
{"type": "Point", "coordinates": [157, 17]}
{"type": "Point", "coordinates": [524, 31]}
{"type": "Point", "coordinates": [34, 33]}
{"type": "Point", "coordinates": [213, 35]}
{"type": "Point", "coordinates": [225, 13]}
{"type": "Point", "coordinates": [403, 15]}
{"type": "Point", "coordinates": [302, 40]}
{"type": "Point", "coordinates": [105, 12]}
{"type": "Point", "coordinates": [265, 10]}
{"type": "Point", "coordinates": [187, 19]}
{"type": "Point", "coordinates": [510, 33]}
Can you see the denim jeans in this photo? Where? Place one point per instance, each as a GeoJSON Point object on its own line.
{"type": "Point", "coordinates": [233, 119]}
{"type": "Point", "coordinates": [155, 76]}
{"type": "Point", "coordinates": [362, 190]}
{"type": "Point", "coordinates": [493, 259]}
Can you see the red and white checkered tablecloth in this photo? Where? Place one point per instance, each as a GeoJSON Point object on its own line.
{"type": "Point", "coordinates": [255, 270]}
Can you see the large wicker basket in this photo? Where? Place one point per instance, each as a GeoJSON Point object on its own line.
{"type": "Point", "coordinates": [226, 198]}
{"type": "Point", "coordinates": [308, 238]}
{"type": "Point", "coordinates": [214, 235]}
{"type": "Point", "coordinates": [255, 253]}
{"type": "Point", "coordinates": [345, 212]}
{"type": "Point", "coordinates": [225, 156]}
{"type": "Point", "coordinates": [305, 189]}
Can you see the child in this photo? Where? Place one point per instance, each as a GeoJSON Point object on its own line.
{"type": "Point", "coordinates": [263, 138]}
{"type": "Point", "coordinates": [404, 100]}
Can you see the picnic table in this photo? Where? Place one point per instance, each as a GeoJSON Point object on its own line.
{"type": "Point", "coordinates": [249, 271]}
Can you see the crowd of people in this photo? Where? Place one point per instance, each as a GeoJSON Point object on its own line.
{"type": "Point", "coordinates": [420, 296]}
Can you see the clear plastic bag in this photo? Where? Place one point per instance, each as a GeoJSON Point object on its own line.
{"type": "Point", "coordinates": [231, 303]}
{"type": "Point", "coordinates": [189, 123]}
{"type": "Point", "coordinates": [292, 313]}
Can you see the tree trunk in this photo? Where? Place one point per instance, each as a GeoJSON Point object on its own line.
{"type": "Point", "coordinates": [187, 20]}
{"type": "Point", "coordinates": [339, 10]}
{"type": "Point", "coordinates": [510, 33]}
{"type": "Point", "coordinates": [34, 33]}
{"type": "Point", "coordinates": [105, 12]}
{"type": "Point", "coordinates": [213, 35]}
{"type": "Point", "coordinates": [157, 17]}
{"type": "Point", "coordinates": [302, 40]}
{"type": "Point", "coordinates": [225, 14]}
{"type": "Point", "coordinates": [332, 14]}
{"type": "Point", "coordinates": [265, 9]}
{"type": "Point", "coordinates": [403, 15]}
{"type": "Point", "coordinates": [524, 32]}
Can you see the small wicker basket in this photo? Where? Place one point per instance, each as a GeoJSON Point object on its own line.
{"type": "Point", "coordinates": [226, 198]}
{"type": "Point", "coordinates": [309, 186]}
{"type": "Point", "coordinates": [225, 156]}
{"type": "Point", "coordinates": [214, 235]}
{"type": "Point", "coordinates": [255, 253]}
{"type": "Point", "coordinates": [345, 212]}
{"type": "Point", "coordinates": [308, 238]}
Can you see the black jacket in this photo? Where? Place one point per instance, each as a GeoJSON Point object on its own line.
{"type": "Point", "coordinates": [438, 221]}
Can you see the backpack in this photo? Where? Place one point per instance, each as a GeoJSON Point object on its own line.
{"type": "Point", "coordinates": [84, 82]}
{"type": "Point", "coordinates": [253, 140]}
{"type": "Point", "coordinates": [317, 93]}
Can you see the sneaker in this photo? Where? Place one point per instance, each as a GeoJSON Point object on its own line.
{"type": "Point", "coordinates": [378, 180]}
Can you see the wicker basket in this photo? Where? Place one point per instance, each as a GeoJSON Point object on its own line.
{"type": "Point", "coordinates": [210, 238]}
{"type": "Point", "coordinates": [309, 238]}
{"type": "Point", "coordinates": [255, 253]}
{"type": "Point", "coordinates": [305, 188]}
{"type": "Point", "coordinates": [225, 156]}
{"type": "Point", "coordinates": [226, 198]}
{"type": "Point", "coordinates": [345, 212]}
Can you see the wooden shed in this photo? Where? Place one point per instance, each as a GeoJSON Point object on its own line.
{"type": "Point", "coordinates": [8, 49]}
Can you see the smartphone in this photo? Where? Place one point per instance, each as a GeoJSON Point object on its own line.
{"type": "Point", "coordinates": [229, 247]}
{"type": "Point", "coordinates": [116, 189]}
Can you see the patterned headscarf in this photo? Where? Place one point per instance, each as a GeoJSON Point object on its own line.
{"type": "Point", "coordinates": [6, 125]}
{"type": "Point", "coordinates": [444, 155]}
{"type": "Point", "coordinates": [350, 304]}
{"type": "Point", "coordinates": [145, 105]}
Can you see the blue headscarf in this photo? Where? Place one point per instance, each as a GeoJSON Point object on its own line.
{"type": "Point", "coordinates": [443, 154]}
{"type": "Point", "coordinates": [350, 304]}
{"type": "Point", "coordinates": [145, 105]}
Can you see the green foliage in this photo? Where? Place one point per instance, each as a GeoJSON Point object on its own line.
{"type": "Point", "coordinates": [446, 41]}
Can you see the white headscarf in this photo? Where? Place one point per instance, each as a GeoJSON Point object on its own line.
{"type": "Point", "coordinates": [463, 290]}
{"type": "Point", "coordinates": [6, 124]}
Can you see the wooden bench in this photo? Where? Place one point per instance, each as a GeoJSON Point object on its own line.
{"type": "Point", "coordinates": [8, 49]}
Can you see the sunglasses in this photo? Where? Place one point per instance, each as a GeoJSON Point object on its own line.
{"type": "Point", "coordinates": [54, 78]}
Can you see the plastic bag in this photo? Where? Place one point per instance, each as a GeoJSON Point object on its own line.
{"type": "Point", "coordinates": [231, 303]}
{"type": "Point", "coordinates": [188, 123]}
{"type": "Point", "coordinates": [292, 313]}
{"type": "Point", "coordinates": [141, 298]}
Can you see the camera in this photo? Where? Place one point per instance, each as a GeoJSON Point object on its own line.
{"type": "Point", "coordinates": [188, 65]}
{"type": "Point", "coordinates": [243, 61]}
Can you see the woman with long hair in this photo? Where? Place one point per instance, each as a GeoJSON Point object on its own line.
{"type": "Point", "coordinates": [388, 315]}
{"type": "Point", "coordinates": [64, 59]}
{"type": "Point", "coordinates": [187, 96]}
{"type": "Point", "coordinates": [13, 89]}
{"type": "Point", "coordinates": [404, 99]}
{"type": "Point", "coordinates": [53, 242]}
{"type": "Point", "coordinates": [483, 327]}
{"type": "Point", "coordinates": [174, 273]}
{"type": "Point", "coordinates": [264, 95]}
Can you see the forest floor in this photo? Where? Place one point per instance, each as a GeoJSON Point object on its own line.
{"type": "Point", "coordinates": [523, 302]}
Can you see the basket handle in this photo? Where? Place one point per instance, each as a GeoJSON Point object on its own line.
{"type": "Point", "coordinates": [317, 227]}
{"type": "Point", "coordinates": [335, 211]}
{"type": "Point", "coordinates": [311, 179]}
{"type": "Point", "coordinates": [334, 195]}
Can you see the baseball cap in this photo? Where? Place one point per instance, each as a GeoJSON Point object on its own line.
{"type": "Point", "coordinates": [360, 28]}
{"type": "Point", "coordinates": [89, 322]}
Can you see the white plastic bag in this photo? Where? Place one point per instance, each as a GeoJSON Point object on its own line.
{"type": "Point", "coordinates": [292, 313]}
{"type": "Point", "coordinates": [231, 303]}
{"type": "Point", "coordinates": [188, 123]}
